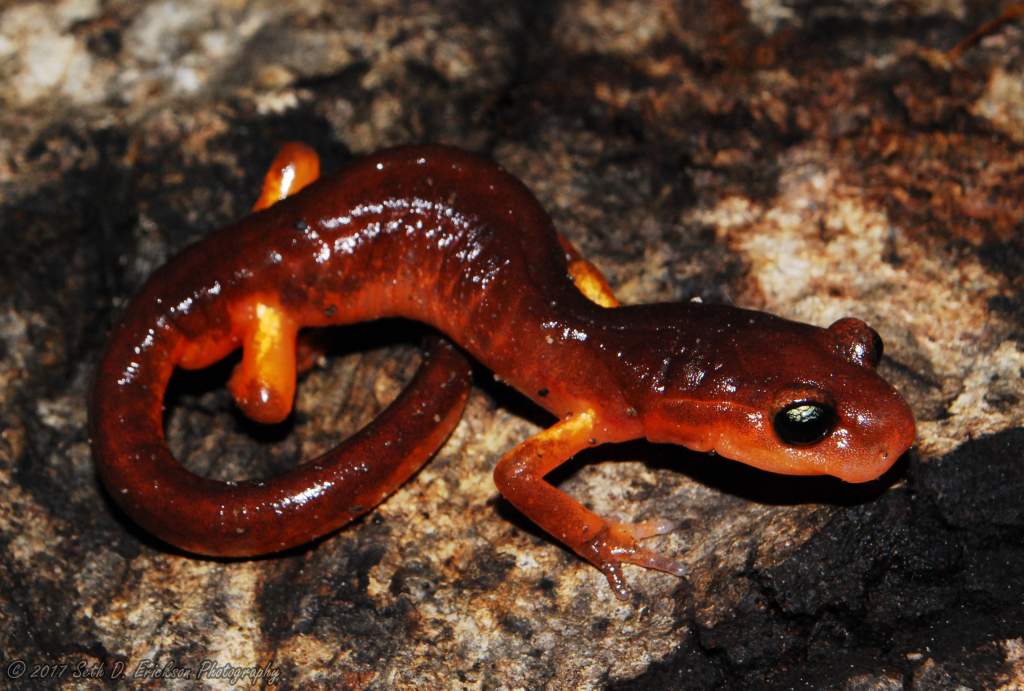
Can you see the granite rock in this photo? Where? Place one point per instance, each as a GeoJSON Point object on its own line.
{"type": "Point", "coordinates": [811, 159]}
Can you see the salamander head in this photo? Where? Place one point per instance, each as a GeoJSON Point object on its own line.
{"type": "Point", "coordinates": [785, 397]}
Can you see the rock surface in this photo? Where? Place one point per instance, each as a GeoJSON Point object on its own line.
{"type": "Point", "coordinates": [810, 159]}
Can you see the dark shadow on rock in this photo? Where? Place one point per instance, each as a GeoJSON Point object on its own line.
{"type": "Point", "coordinates": [738, 479]}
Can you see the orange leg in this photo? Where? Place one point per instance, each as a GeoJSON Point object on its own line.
{"type": "Point", "coordinates": [263, 384]}
{"type": "Point", "coordinates": [607, 545]}
{"type": "Point", "coordinates": [587, 278]}
{"type": "Point", "coordinates": [295, 166]}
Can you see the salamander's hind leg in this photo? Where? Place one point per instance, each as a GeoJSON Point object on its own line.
{"type": "Point", "coordinates": [295, 166]}
{"type": "Point", "coordinates": [587, 278]}
{"type": "Point", "coordinates": [520, 479]}
{"type": "Point", "coordinates": [263, 384]}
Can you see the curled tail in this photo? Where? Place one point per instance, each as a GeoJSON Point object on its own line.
{"type": "Point", "coordinates": [249, 518]}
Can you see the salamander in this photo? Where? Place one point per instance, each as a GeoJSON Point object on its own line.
{"type": "Point", "coordinates": [448, 238]}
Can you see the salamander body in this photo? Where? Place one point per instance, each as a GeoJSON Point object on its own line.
{"type": "Point", "coordinates": [450, 239]}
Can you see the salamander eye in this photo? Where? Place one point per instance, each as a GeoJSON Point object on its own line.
{"type": "Point", "coordinates": [804, 422]}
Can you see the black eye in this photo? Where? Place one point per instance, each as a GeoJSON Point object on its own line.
{"type": "Point", "coordinates": [804, 422]}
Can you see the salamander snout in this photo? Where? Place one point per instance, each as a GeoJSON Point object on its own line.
{"type": "Point", "coordinates": [784, 397]}
{"type": "Point", "coordinates": [849, 424]}
{"type": "Point", "coordinates": [883, 433]}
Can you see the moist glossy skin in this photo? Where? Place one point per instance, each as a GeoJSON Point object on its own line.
{"type": "Point", "coordinates": [450, 239]}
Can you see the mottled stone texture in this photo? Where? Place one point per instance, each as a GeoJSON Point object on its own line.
{"type": "Point", "coordinates": [814, 159]}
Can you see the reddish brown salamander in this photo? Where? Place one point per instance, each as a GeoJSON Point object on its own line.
{"type": "Point", "coordinates": [450, 239]}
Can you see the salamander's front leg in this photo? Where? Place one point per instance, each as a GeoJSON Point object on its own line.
{"type": "Point", "coordinates": [520, 479]}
